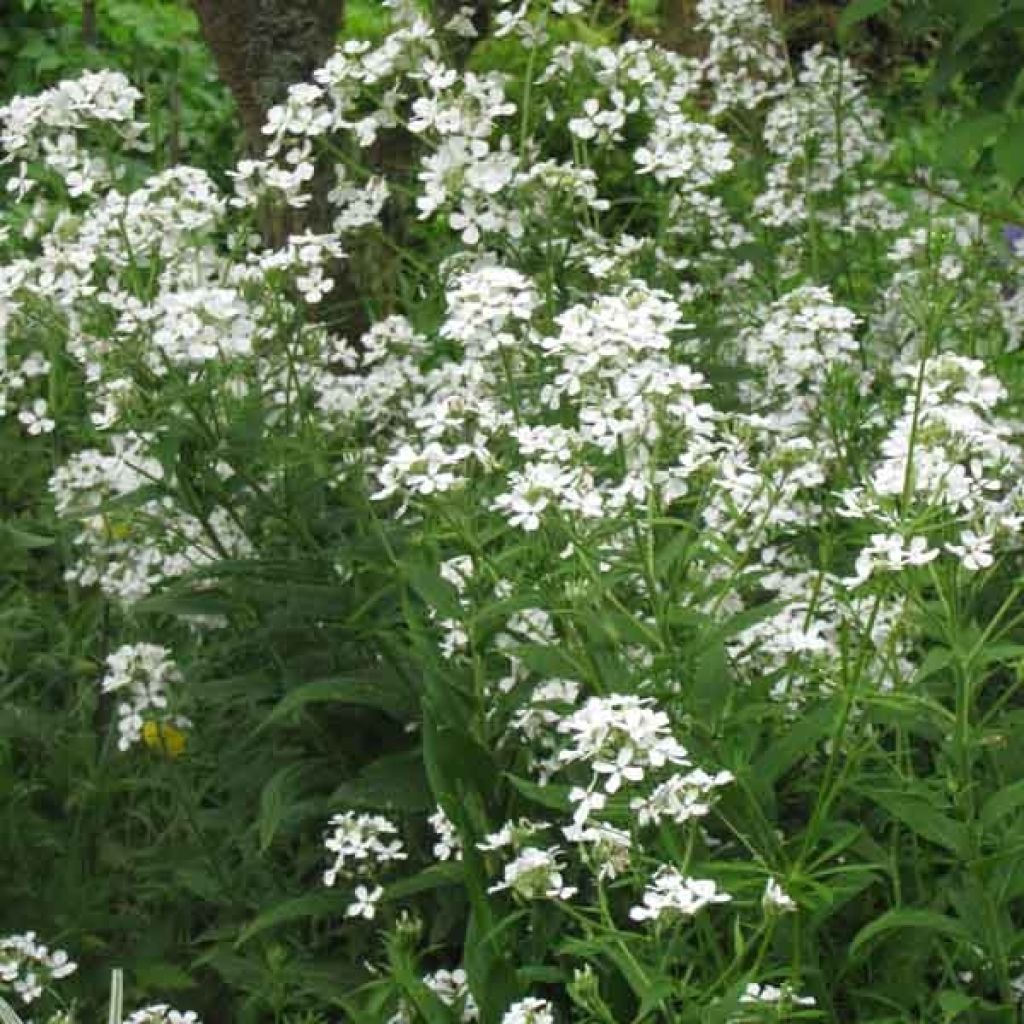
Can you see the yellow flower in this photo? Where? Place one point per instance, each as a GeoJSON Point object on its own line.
{"type": "Point", "coordinates": [163, 736]}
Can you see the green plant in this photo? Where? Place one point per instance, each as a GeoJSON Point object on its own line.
{"type": "Point", "coordinates": [624, 627]}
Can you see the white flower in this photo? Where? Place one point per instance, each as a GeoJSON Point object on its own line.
{"type": "Point", "coordinates": [680, 798]}
{"type": "Point", "coordinates": [144, 676]}
{"type": "Point", "coordinates": [360, 843]}
{"type": "Point", "coordinates": [974, 551]}
{"type": "Point", "coordinates": [536, 873]}
{"type": "Point", "coordinates": [448, 845]}
{"type": "Point", "coordinates": [774, 995]}
{"type": "Point", "coordinates": [623, 738]}
{"type": "Point", "coordinates": [35, 418]}
{"type": "Point", "coordinates": [890, 553]}
{"type": "Point", "coordinates": [27, 966]}
{"type": "Point", "coordinates": [529, 1011]}
{"type": "Point", "coordinates": [365, 902]}
{"type": "Point", "coordinates": [672, 893]}
{"type": "Point", "coordinates": [161, 1013]}
{"type": "Point", "coordinates": [776, 898]}
{"type": "Point", "coordinates": [602, 846]}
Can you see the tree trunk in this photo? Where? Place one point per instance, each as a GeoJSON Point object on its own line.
{"type": "Point", "coordinates": [89, 22]}
{"type": "Point", "coordinates": [677, 20]}
{"type": "Point", "coordinates": [263, 46]}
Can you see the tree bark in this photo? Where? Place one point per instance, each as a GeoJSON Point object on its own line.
{"type": "Point", "coordinates": [677, 25]}
{"type": "Point", "coordinates": [89, 22]}
{"type": "Point", "coordinates": [263, 46]}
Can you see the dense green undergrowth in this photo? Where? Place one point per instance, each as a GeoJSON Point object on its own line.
{"type": "Point", "coordinates": [625, 626]}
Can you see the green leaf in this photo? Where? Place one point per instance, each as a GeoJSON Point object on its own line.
{"type": "Point", "coordinates": [23, 540]}
{"type": "Point", "coordinates": [1008, 154]}
{"type": "Point", "coordinates": [712, 683]}
{"type": "Point", "coordinates": [794, 744]}
{"type": "Point", "coordinates": [437, 876]}
{"type": "Point", "coordinates": [858, 11]}
{"type": "Point", "coordinates": [434, 589]}
{"type": "Point", "coordinates": [396, 782]}
{"type": "Point", "coordinates": [923, 818]}
{"type": "Point", "coordinates": [1001, 803]}
{"type": "Point", "coordinates": [386, 693]}
{"type": "Point", "coordinates": [274, 800]}
{"type": "Point", "coordinates": [937, 659]}
{"type": "Point", "coordinates": [964, 142]}
{"type": "Point", "coordinates": [185, 605]}
{"type": "Point", "coordinates": [900, 919]}
{"type": "Point", "coordinates": [953, 1003]}
{"type": "Point", "coordinates": [555, 798]}
{"type": "Point", "coordinates": [301, 908]}
{"type": "Point", "coordinates": [161, 975]}
{"type": "Point", "coordinates": [742, 621]}
{"type": "Point", "coordinates": [492, 976]}
{"type": "Point", "coordinates": [547, 660]}
{"type": "Point", "coordinates": [976, 18]}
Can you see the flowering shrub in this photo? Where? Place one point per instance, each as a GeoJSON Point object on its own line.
{"type": "Point", "coordinates": [645, 575]}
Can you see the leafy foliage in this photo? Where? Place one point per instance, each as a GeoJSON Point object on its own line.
{"type": "Point", "coordinates": [625, 627]}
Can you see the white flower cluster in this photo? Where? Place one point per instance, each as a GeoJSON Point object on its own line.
{"type": "Point", "coordinates": [361, 843]}
{"type": "Point", "coordinates": [131, 549]}
{"type": "Point", "coordinates": [47, 129]}
{"type": "Point", "coordinates": [948, 451]}
{"type": "Point", "coordinates": [161, 1013]}
{"type": "Point", "coordinates": [448, 845]}
{"type": "Point", "coordinates": [534, 872]}
{"type": "Point", "coordinates": [144, 677]}
{"type": "Point", "coordinates": [27, 967]}
{"type": "Point", "coordinates": [624, 740]}
{"type": "Point", "coordinates": [530, 1010]}
{"type": "Point", "coordinates": [452, 988]}
{"type": "Point", "coordinates": [539, 408]}
{"type": "Point", "coordinates": [746, 61]}
{"type": "Point", "coordinates": [823, 133]}
{"type": "Point", "coordinates": [670, 893]}
{"type": "Point", "coordinates": [804, 349]}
